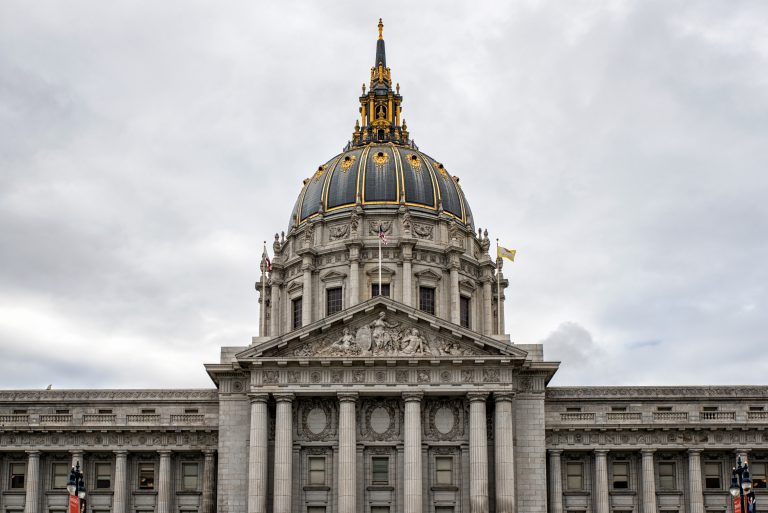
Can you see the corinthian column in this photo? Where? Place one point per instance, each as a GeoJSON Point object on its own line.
{"type": "Point", "coordinates": [283, 453]}
{"type": "Point", "coordinates": [164, 483]}
{"type": "Point", "coordinates": [306, 294]}
{"type": "Point", "coordinates": [274, 321]}
{"type": "Point", "coordinates": [257, 455]}
{"type": "Point", "coordinates": [478, 453]}
{"type": "Point", "coordinates": [649, 482]}
{"type": "Point", "coordinates": [487, 306]}
{"type": "Point", "coordinates": [407, 287]}
{"type": "Point", "coordinates": [696, 496]}
{"type": "Point", "coordinates": [455, 292]}
{"type": "Point", "coordinates": [121, 482]}
{"type": "Point", "coordinates": [347, 453]}
{"type": "Point", "coordinates": [601, 481]}
{"type": "Point", "coordinates": [208, 486]}
{"type": "Point", "coordinates": [555, 482]}
{"type": "Point", "coordinates": [32, 482]}
{"type": "Point", "coordinates": [412, 482]}
{"type": "Point", "coordinates": [354, 280]}
{"type": "Point", "coordinates": [504, 460]}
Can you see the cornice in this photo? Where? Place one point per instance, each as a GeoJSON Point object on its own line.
{"type": "Point", "coordinates": [666, 393]}
{"type": "Point", "coordinates": [109, 395]}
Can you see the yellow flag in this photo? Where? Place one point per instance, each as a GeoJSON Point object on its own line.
{"type": "Point", "coordinates": [502, 252]}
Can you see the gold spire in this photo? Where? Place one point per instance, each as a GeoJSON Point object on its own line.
{"type": "Point", "coordinates": [381, 29]}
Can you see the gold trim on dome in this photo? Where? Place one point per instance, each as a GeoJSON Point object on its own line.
{"type": "Point", "coordinates": [432, 181]}
{"type": "Point", "coordinates": [319, 173]}
{"type": "Point", "coordinates": [380, 158]}
{"type": "Point", "coordinates": [347, 162]}
{"type": "Point", "coordinates": [414, 161]}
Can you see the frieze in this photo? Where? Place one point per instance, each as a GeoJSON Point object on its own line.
{"type": "Point", "coordinates": [423, 231]}
{"type": "Point", "coordinates": [338, 232]}
{"type": "Point", "coordinates": [383, 338]}
{"type": "Point", "coordinates": [657, 392]}
{"type": "Point", "coordinates": [110, 395]}
{"type": "Point", "coordinates": [580, 439]}
{"type": "Point", "coordinates": [109, 441]}
{"type": "Point", "coordinates": [374, 227]}
{"type": "Point", "coordinates": [423, 375]}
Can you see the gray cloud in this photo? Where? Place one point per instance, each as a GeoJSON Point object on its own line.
{"type": "Point", "coordinates": [147, 150]}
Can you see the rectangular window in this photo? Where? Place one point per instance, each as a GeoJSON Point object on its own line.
{"type": "Point", "coordinates": [317, 471]}
{"type": "Point", "coordinates": [19, 412]}
{"type": "Point", "coordinates": [380, 470]}
{"type": "Point", "coordinates": [573, 409]}
{"type": "Point", "coordinates": [427, 300]}
{"type": "Point", "coordinates": [105, 411]}
{"type": "Point", "coordinates": [620, 475]}
{"type": "Point", "coordinates": [667, 475]}
{"type": "Point", "coordinates": [62, 412]}
{"type": "Point", "coordinates": [443, 509]}
{"type": "Point", "coordinates": [17, 473]}
{"type": "Point", "coordinates": [315, 509]}
{"type": "Point", "coordinates": [384, 289]}
{"type": "Point", "coordinates": [333, 301]}
{"type": "Point", "coordinates": [59, 475]}
{"type": "Point", "coordinates": [709, 408]}
{"type": "Point", "coordinates": [296, 309]}
{"type": "Point", "coordinates": [191, 410]}
{"type": "Point", "coordinates": [618, 408]}
{"type": "Point", "coordinates": [379, 509]}
{"type": "Point", "coordinates": [663, 408]}
{"type": "Point", "coordinates": [148, 411]}
{"type": "Point", "coordinates": [444, 470]}
{"type": "Point", "coordinates": [103, 475]}
{"type": "Point", "coordinates": [574, 476]}
{"type": "Point", "coordinates": [464, 311]}
{"type": "Point", "coordinates": [759, 474]}
{"type": "Point", "coordinates": [757, 408]}
{"type": "Point", "coordinates": [189, 475]}
{"type": "Point", "coordinates": [712, 475]}
{"type": "Point", "coordinates": [146, 476]}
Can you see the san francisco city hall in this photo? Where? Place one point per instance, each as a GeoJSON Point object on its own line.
{"type": "Point", "coordinates": [405, 399]}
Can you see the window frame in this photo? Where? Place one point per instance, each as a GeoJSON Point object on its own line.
{"type": "Point", "coordinates": [63, 477]}
{"type": "Point", "coordinates": [337, 303]}
{"type": "Point", "coordinates": [312, 473]}
{"type": "Point", "coordinates": [707, 476]}
{"type": "Point", "coordinates": [672, 475]}
{"type": "Point", "coordinates": [465, 311]}
{"type": "Point", "coordinates": [569, 475]}
{"type": "Point", "coordinates": [297, 312]}
{"type": "Point", "coordinates": [423, 306]}
{"type": "Point", "coordinates": [448, 462]}
{"type": "Point", "coordinates": [98, 476]}
{"type": "Point", "coordinates": [12, 475]}
{"type": "Point", "coordinates": [614, 474]}
{"type": "Point", "coordinates": [144, 466]}
{"type": "Point", "coordinates": [382, 460]}
{"type": "Point", "coordinates": [386, 290]}
{"type": "Point", "coordinates": [183, 474]}
{"type": "Point", "coordinates": [759, 478]}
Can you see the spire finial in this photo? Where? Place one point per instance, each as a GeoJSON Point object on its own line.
{"type": "Point", "coordinates": [381, 29]}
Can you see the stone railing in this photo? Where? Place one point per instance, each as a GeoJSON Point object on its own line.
{"type": "Point", "coordinates": [14, 419]}
{"type": "Point", "coordinates": [718, 415]}
{"type": "Point", "coordinates": [188, 418]}
{"type": "Point", "coordinates": [56, 418]}
{"type": "Point", "coordinates": [623, 416]}
{"type": "Point", "coordinates": [99, 418]}
{"type": "Point", "coordinates": [757, 415]}
{"type": "Point", "coordinates": [577, 416]}
{"type": "Point", "coordinates": [143, 418]}
{"type": "Point", "coordinates": [670, 416]}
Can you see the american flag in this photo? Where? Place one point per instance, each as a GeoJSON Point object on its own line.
{"type": "Point", "coordinates": [383, 236]}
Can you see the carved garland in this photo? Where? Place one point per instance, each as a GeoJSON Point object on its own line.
{"type": "Point", "coordinates": [329, 432]}
{"type": "Point", "coordinates": [457, 408]}
{"type": "Point", "coordinates": [393, 409]}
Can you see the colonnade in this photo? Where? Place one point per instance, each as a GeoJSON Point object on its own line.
{"type": "Point", "coordinates": [647, 481]}
{"type": "Point", "coordinates": [120, 487]}
{"type": "Point", "coordinates": [413, 466]}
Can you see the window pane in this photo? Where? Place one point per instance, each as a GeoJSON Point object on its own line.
{"type": "Point", "coordinates": [712, 475]}
{"type": "Point", "coordinates": [384, 289]}
{"type": "Point", "coordinates": [315, 509]}
{"type": "Point", "coordinates": [18, 470]}
{"type": "Point", "coordinates": [443, 509]}
{"type": "Point", "coordinates": [667, 478]}
{"type": "Point", "coordinates": [103, 475]}
{"type": "Point", "coordinates": [427, 300]}
{"type": "Point", "coordinates": [60, 475]}
{"type": "Point", "coordinates": [333, 301]}
{"type": "Point", "coordinates": [464, 311]}
{"type": "Point", "coordinates": [380, 470]}
{"type": "Point", "coordinates": [189, 476]}
{"type": "Point", "coordinates": [758, 471]}
{"type": "Point", "coordinates": [574, 476]}
{"type": "Point", "coordinates": [379, 509]}
{"type": "Point", "coordinates": [317, 471]}
{"type": "Point", "coordinates": [296, 313]}
{"type": "Point", "coordinates": [146, 476]}
{"type": "Point", "coordinates": [444, 470]}
{"type": "Point", "coordinates": [621, 475]}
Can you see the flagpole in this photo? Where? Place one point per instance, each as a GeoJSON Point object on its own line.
{"type": "Point", "coordinates": [379, 261]}
{"type": "Point", "coordinates": [498, 290]}
{"type": "Point", "coordinates": [263, 300]}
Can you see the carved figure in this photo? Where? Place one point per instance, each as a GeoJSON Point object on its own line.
{"type": "Point", "coordinates": [382, 337]}
{"type": "Point", "coordinates": [345, 342]}
{"type": "Point", "coordinates": [413, 342]}
{"type": "Point", "coordinates": [339, 232]}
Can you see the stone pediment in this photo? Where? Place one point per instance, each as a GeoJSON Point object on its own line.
{"type": "Point", "coordinates": [381, 328]}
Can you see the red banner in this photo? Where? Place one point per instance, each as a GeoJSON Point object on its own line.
{"type": "Point", "coordinates": [737, 504]}
{"type": "Point", "coordinates": [74, 504]}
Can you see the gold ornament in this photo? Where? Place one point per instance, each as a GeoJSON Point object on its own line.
{"type": "Point", "coordinates": [347, 162]}
{"type": "Point", "coordinates": [380, 158]}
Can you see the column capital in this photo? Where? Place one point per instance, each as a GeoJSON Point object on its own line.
{"type": "Point", "coordinates": [347, 397]}
{"type": "Point", "coordinates": [601, 452]}
{"type": "Point", "coordinates": [503, 396]}
{"type": "Point", "coordinates": [258, 397]}
{"type": "Point", "coordinates": [164, 453]}
{"type": "Point", "coordinates": [284, 397]}
{"type": "Point", "coordinates": [413, 396]}
{"type": "Point", "coordinates": [554, 452]}
{"type": "Point", "coordinates": [647, 451]}
{"type": "Point", "coordinates": [477, 396]}
{"type": "Point", "coordinates": [120, 452]}
{"type": "Point", "coordinates": [208, 453]}
{"type": "Point", "coordinates": [33, 453]}
{"type": "Point", "coordinates": [695, 450]}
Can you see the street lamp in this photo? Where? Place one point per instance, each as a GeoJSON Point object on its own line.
{"type": "Point", "coordinates": [76, 489]}
{"type": "Point", "coordinates": [741, 486]}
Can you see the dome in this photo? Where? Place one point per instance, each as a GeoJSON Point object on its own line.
{"type": "Point", "coordinates": [381, 176]}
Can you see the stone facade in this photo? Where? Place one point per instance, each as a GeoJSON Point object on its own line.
{"type": "Point", "coordinates": [391, 389]}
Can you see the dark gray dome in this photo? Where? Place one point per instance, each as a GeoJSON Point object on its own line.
{"type": "Point", "coordinates": [381, 176]}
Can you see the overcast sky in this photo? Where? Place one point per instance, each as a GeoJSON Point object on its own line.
{"type": "Point", "coordinates": [148, 148]}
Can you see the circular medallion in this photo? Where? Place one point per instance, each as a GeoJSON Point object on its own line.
{"type": "Point", "coordinates": [316, 420]}
{"type": "Point", "coordinates": [444, 420]}
{"type": "Point", "coordinates": [380, 420]}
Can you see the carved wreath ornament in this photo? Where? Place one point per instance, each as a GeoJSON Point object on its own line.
{"type": "Point", "coordinates": [382, 338]}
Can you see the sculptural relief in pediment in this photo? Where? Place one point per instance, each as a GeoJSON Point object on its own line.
{"type": "Point", "coordinates": [383, 337]}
